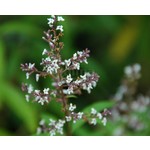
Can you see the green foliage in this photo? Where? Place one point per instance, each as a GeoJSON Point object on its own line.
{"type": "Point", "coordinates": [15, 101]}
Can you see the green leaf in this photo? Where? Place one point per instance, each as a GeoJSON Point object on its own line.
{"type": "Point", "coordinates": [1, 59]}
{"type": "Point", "coordinates": [19, 27]}
{"type": "Point", "coordinates": [99, 106]}
{"type": "Point", "coordinates": [16, 102]}
{"type": "Point", "coordinates": [71, 96]}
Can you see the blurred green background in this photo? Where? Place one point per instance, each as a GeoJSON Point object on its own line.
{"type": "Point", "coordinates": [114, 41]}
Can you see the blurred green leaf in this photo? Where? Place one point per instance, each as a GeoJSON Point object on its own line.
{"type": "Point", "coordinates": [16, 102]}
{"type": "Point", "coordinates": [71, 96]}
{"type": "Point", "coordinates": [4, 132]}
{"type": "Point", "coordinates": [99, 106]}
{"type": "Point", "coordinates": [1, 60]}
{"type": "Point", "coordinates": [21, 27]}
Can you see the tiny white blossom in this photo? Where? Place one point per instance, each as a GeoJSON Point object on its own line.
{"type": "Point", "coordinates": [37, 91]}
{"type": "Point", "coordinates": [89, 88]}
{"type": "Point", "coordinates": [50, 21]}
{"type": "Point", "coordinates": [104, 121]}
{"type": "Point", "coordinates": [60, 27]}
{"type": "Point", "coordinates": [46, 90]}
{"type": "Point", "coordinates": [37, 77]}
{"type": "Point", "coordinates": [77, 66]}
{"type": "Point", "coordinates": [93, 111]}
{"type": "Point", "coordinates": [53, 16]}
{"type": "Point", "coordinates": [68, 62]}
{"type": "Point", "coordinates": [27, 75]}
{"type": "Point", "coordinates": [52, 122]}
{"type": "Point", "coordinates": [44, 52]}
{"type": "Point", "coordinates": [42, 122]}
{"type": "Point", "coordinates": [69, 79]}
{"type": "Point", "coordinates": [80, 115]}
{"type": "Point", "coordinates": [80, 53]}
{"type": "Point", "coordinates": [77, 82]}
{"type": "Point", "coordinates": [74, 56]}
{"type": "Point", "coordinates": [41, 101]}
{"type": "Point", "coordinates": [86, 61]}
{"type": "Point", "coordinates": [83, 76]}
{"type": "Point", "coordinates": [52, 132]}
{"type": "Point", "coordinates": [72, 107]}
{"type": "Point", "coordinates": [69, 91]}
{"type": "Point", "coordinates": [31, 66]}
{"type": "Point", "coordinates": [27, 98]}
{"type": "Point", "coordinates": [68, 118]}
{"type": "Point", "coordinates": [93, 121]}
{"type": "Point", "coordinates": [128, 71]}
{"type": "Point", "coordinates": [99, 115]}
{"type": "Point", "coordinates": [30, 89]}
{"type": "Point", "coordinates": [137, 68]}
{"type": "Point", "coordinates": [60, 18]}
{"type": "Point", "coordinates": [39, 130]}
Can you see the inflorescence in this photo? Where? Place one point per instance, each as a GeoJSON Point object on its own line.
{"type": "Point", "coordinates": [63, 85]}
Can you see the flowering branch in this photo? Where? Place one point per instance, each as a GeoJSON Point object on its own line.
{"type": "Point", "coordinates": [55, 67]}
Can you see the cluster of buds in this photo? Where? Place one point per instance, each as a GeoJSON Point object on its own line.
{"type": "Point", "coordinates": [129, 102]}
{"type": "Point", "coordinates": [63, 85]}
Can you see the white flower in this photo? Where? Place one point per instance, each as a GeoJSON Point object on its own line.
{"type": "Point", "coordinates": [52, 132]}
{"type": "Point", "coordinates": [74, 56]}
{"type": "Point", "coordinates": [53, 16]}
{"type": "Point", "coordinates": [83, 77]}
{"type": "Point", "coordinates": [60, 27]}
{"type": "Point", "coordinates": [104, 121]}
{"type": "Point", "coordinates": [93, 121]}
{"type": "Point", "coordinates": [77, 82]}
{"type": "Point", "coordinates": [39, 130]}
{"type": "Point", "coordinates": [93, 111]}
{"type": "Point", "coordinates": [68, 91]}
{"type": "Point", "coordinates": [37, 77]}
{"type": "Point", "coordinates": [50, 21]}
{"type": "Point", "coordinates": [42, 122]}
{"type": "Point", "coordinates": [68, 118]}
{"type": "Point", "coordinates": [46, 90]}
{"type": "Point", "coordinates": [37, 91]}
{"type": "Point", "coordinates": [72, 107]}
{"type": "Point", "coordinates": [31, 66]}
{"type": "Point", "coordinates": [89, 88]}
{"type": "Point", "coordinates": [94, 83]}
{"type": "Point", "coordinates": [44, 52]}
{"type": "Point", "coordinates": [86, 61]}
{"type": "Point", "coordinates": [48, 59]}
{"type": "Point", "coordinates": [80, 115]}
{"type": "Point", "coordinates": [137, 68]}
{"type": "Point", "coordinates": [27, 98]}
{"type": "Point", "coordinates": [76, 66]}
{"type": "Point", "coordinates": [52, 122]}
{"type": "Point", "coordinates": [69, 79]}
{"type": "Point", "coordinates": [30, 89]}
{"type": "Point", "coordinates": [41, 101]}
{"type": "Point", "coordinates": [27, 75]}
{"type": "Point", "coordinates": [68, 62]}
{"type": "Point", "coordinates": [60, 18]}
{"type": "Point", "coordinates": [80, 53]}
{"type": "Point", "coordinates": [99, 115]}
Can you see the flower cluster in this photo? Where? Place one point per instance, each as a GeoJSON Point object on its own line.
{"type": "Point", "coordinates": [56, 127]}
{"type": "Point", "coordinates": [129, 103]}
{"type": "Point", "coordinates": [55, 67]}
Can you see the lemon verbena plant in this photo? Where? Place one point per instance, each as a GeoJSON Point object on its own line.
{"type": "Point", "coordinates": [63, 84]}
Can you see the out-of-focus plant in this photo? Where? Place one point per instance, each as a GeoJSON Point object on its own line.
{"type": "Point", "coordinates": [131, 108]}
{"type": "Point", "coordinates": [64, 85]}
